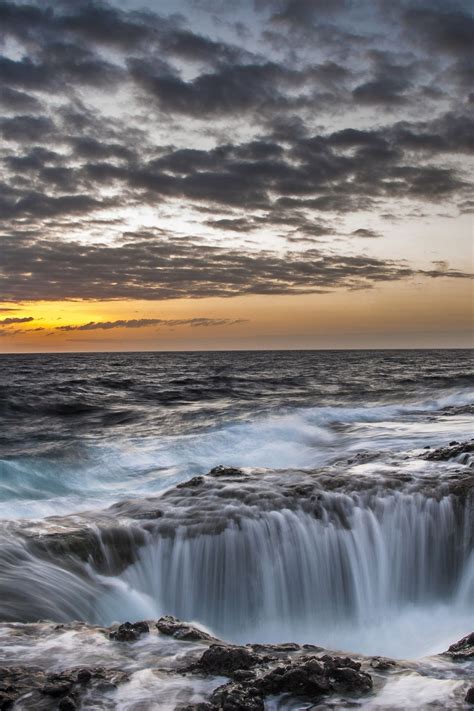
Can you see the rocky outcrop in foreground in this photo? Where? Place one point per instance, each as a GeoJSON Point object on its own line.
{"type": "Point", "coordinates": [139, 660]}
{"type": "Point", "coordinates": [37, 689]}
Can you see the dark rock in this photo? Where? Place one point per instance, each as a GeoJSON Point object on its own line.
{"type": "Point", "coordinates": [283, 647]}
{"type": "Point", "coordinates": [67, 704]}
{"type": "Point", "coordinates": [382, 663]}
{"type": "Point", "coordinates": [254, 675]}
{"type": "Point", "coordinates": [225, 660]}
{"type": "Point", "coordinates": [7, 699]}
{"type": "Point", "coordinates": [464, 649]}
{"type": "Point", "coordinates": [470, 696]}
{"type": "Point", "coordinates": [129, 631]}
{"type": "Point", "coordinates": [83, 676]}
{"type": "Point", "coordinates": [173, 627]}
{"type": "Point", "coordinates": [454, 449]}
{"type": "Point", "coordinates": [236, 697]}
{"type": "Point", "coordinates": [331, 663]}
{"type": "Point", "coordinates": [243, 675]}
{"type": "Point", "coordinates": [225, 471]}
{"type": "Point", "coordinates": [347, 679]}
{"type": "Point", "coordinates": [191, 483]}
{"type": "Point", "coordinates": [56, 689]}
{"type": "Point", "coordinates": [301, 678]}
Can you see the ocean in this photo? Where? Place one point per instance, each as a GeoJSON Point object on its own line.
{"type": "Point", "coordinates": [338, 511]}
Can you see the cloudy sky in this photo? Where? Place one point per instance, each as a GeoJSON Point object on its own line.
{"type": "Point", "coordinates": [235, 174]}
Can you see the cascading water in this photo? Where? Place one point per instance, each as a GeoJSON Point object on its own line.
{"type": "Point", "coordinates": [355, 573]}
{"type": "Point", "coordinates": [352, 574]}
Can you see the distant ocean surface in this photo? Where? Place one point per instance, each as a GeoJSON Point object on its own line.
{"type": "Point", "coordinates": [85, 430]}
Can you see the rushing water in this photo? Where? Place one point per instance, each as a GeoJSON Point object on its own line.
{"type": "Point", "coordinates": [367, 568]}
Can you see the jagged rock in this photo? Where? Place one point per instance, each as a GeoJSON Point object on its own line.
{"type": "Point", "coordinates": [252, 679]}
{"type": "Point", "coordinates": [470, 696]}
{"type": "Point", "coordinates": [382, 663]}
{"type": "Point", "coordinates": [463, 649]}
{"type": "Point", "coordinates": [173, 627]}
{"type": "Point", "coordinates": [129, 631]}
{"type": "Point", "coordinates": [221, 470]}
{"type": "Point", "coordinates": [83, 676]}
{"type": "Point", "coordinates": [236, 697]}
{"type": "Point", "coordinates": [301, 678]}
{"type": "Point", "coordinates": [191, 483]}
{"type": "Point", "coordinates": [67, 704]}
{"type": "Point", "coordinates": [225, 660]}
{"type": "Point", "coordinates": [56, 689]}
{"type": "Point", "coordinates": [454, 449]}
{"type": "Point", "coordinates": [17, 681]}
{"type": "Point", "coordinates": [65, 688]}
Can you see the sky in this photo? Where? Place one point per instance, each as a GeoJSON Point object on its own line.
{"type": "Point", "coordinates": [223, 174]}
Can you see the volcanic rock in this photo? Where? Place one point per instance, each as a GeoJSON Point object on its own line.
{"type": "Point", "coordinates": [173, 627]}
{"type": "Point", "coordinates": [129, 631]}
{"type": "Point", "coordinates": [463, 649]}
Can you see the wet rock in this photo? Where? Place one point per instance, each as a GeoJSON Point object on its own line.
{"type": "Point", "coordinates": [243, 675]}
{"type": "Point", "coordinates": [236, 697]}
{"type": "Point", "coordinates": [225, 471]}
{"type": "Point", "coordinates": [382, 663]}
{"type": "Point", "coordinates": [191, 483]}
{"type": "Point", "coordinates": [129, 631]}
{"type": "Point", "coordinates": [173, 627]}
{"type": "Point", "coordinates": [72, 546]}
{"type": "Point", "coordinates": [223, 660]}
{"type": "Point", "coordinates": [454, 449]}
{"type": "Point", "coordinates": [7, 699]}
{"type": "Point", "coordinates": [17, 681]}
{"type": "Point", "coordinates": [463, 649]}
{"type": "Point", "coordinates": [301, 678]}
{"type": "Point", "coordinates": [254, 678]}
{"type": "Point", "coordinates": [56, 689]}
{"type": "Point", "coordinates": [83, 676]}
{"type": "Point", "coordinates": [32, 688]}
{"type": "Point", "coordinates": [469, 698]}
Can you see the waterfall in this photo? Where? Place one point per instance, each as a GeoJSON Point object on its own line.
{"type": "Point", "coordinates": [286, 574]}
{"type": "Point", "coordinates": [353, 576]}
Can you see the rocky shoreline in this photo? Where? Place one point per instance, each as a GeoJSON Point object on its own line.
{"type": "Point", "coordinates": [252, 677]}
{"type": "Point", "coordinates": [83, 559]}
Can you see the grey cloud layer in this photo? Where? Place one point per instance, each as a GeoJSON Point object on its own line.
{"type": "Point", "coordinates": [92, 86]}
{"type": "Point", "coordinates": [157, 269]}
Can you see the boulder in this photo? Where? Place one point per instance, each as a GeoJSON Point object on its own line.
{"type": "Point", "coordinates": [224, 660]}
{"type": "Point", "coordinates": [173, 627]}
{"type": "Point", "coordinates": [463, 649]}
{"type": "Point", "coordinates": [129, 631]}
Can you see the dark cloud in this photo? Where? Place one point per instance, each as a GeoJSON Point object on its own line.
{"type": "Point", "coordinates": [325, 110]}
{"type": "Point", "coordinates": [38, 205]}
{"type": "Point", "coordinates": [390, 81]}
{"type": "Point", "coordinates": [364, 232]}
{"type": "Point", "coordinates": [158, 269]}
{"type": "Point", "coordinates": [145, 322]}
{"type": "Point", "coordinates": [300, 13]}
{"type": "Point", "coordinates": [26, 129]}
{"type": "Point", "coordinates": [443, 27]}
{"type": "Point", "coordinates": [229, 89]}
{"type": "Point", "coordinates": [18, 100]}
{"type": "Point", "coordinates": [14, 319]}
